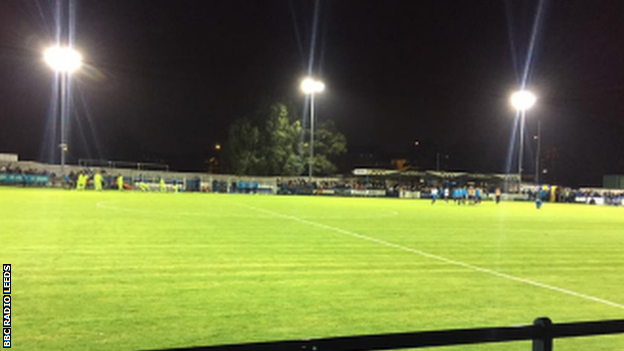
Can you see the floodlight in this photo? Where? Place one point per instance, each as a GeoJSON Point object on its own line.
{"type": "Point", "coordinates": [63, 59]}
{"type": "Point", "coordinates": [320, 86]}
{"type": "Point", "coordinates": [311, 86]}
{"type": "Point", "coordinates": [523, 100]}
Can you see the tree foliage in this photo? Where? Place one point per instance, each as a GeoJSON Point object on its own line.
{"type": "Point", "coordinates": [273, 145]}
{"type": "Point", "coordinates": [328, 143]}
{"type": "Point", "coordinates": [242, 152]}
{"type": "Point", "coordinates": [282, 142]}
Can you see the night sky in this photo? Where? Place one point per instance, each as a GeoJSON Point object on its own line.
{"type": "Point", "coordinates": [164, 79]}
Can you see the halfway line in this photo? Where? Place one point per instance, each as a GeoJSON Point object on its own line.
{"type": "Point", "coordinates": [440, 258]}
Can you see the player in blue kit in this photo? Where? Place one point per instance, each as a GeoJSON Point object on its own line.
{"type": "Point", "coordinates": [434, 195]}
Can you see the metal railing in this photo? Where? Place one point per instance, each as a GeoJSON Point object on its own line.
{"type": "Point", "coordinates": [541, 333]}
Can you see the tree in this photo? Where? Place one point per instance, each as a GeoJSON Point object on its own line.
{"type": "Point", "coordinates": [282, 142]}
{"type": "Point", "coordinates": [328, 143]}
{"type": "Point", "coordinates": [274, 146]}
{"type": "Point", "coordinates": [242, 152]}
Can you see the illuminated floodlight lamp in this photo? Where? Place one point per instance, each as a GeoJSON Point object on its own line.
{"type": "Point", "coordinates": [63, 59]}
{"type": "Point", "coordinates": [523, 100]}
{"type": "Point", "coordinates": [311, 86]}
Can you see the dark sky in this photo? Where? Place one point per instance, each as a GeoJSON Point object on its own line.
{"type": "Point", "coordinates": [164, 79]}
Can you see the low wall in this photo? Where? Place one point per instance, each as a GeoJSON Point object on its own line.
{"type": "Point", "coordinates": [25, 179]}
{"type": "Point", "coordinates": [131, 175]}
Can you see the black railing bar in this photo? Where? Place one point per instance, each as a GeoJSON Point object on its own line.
{"type": "Point", "coordinates": [566, 330]}
{"type": "Point", "coordinates": [384, 341]}
{"type": "Point", "coordinates": [427, 338]}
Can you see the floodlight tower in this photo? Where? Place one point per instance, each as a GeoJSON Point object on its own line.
{"type": "Point", "coordinates": [64, 61]}
{"type": "Point", "coordinates": [310, 86]}
{"type": "Point", "coordinates": [522, 101]}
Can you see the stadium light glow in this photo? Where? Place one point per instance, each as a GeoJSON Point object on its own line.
{"type": "Point", "coordinates": [312, 86]}
{"type": "Point", "coordinates": [523, 100]}
{"type": "Point", "coordinates": [320, 87]}
{"type": "Point", "coordinates": [63, 59]}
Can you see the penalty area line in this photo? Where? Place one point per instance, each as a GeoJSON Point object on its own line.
{"type": "Point", "coordinates": [440, 258]}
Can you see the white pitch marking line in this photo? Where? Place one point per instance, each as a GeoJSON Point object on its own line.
{"type": "Point", "coordinates": [443, 259]}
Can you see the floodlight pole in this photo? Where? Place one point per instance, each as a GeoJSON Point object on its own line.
{"type": "Point", "coordinates": [521, 151]}
{"type": "Point", "coordinates": [522, 101]}
{"type": "Point", "coordinates": [311, 163]}
{"type": "Point", "coordinates": [537, 154]}
{"type": "Point", "coordinates": [310, 87]}
{"type": "Point", "coordinates": [64, 61]}
{"type": "Point", "coordinates": [64, 116]}
{"type": "Point", "coordinates": [437, 162]}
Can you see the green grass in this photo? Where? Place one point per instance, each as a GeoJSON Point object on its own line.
{"type": "Point", "coordinates": [131, 271]}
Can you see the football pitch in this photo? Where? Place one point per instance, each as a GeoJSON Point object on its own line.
{"type": "Point", "coordinates": [136, 271]}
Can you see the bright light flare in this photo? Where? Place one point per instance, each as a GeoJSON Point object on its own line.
{"type": "Point", "coordinates": [320, 87]}
{"type": "Point", "coordinates": [63, 59]}
{"type": "Point", "coordinates": [311, 86]}
{"type": "Point", "coordinates": [523, 100]}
